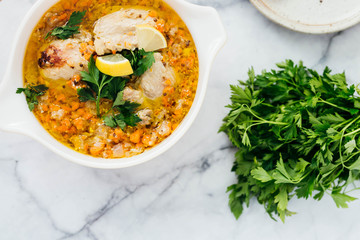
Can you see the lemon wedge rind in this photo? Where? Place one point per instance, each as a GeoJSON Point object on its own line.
{"type": "Point", "coordinates": [114, 65]}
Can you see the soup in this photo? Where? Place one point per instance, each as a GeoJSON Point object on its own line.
{"type": "Point", "coordinates": [96, 112]}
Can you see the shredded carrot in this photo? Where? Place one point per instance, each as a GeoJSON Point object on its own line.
{"type": "Point", "coordinates": [167, 82]}
{"type": "Point", "coordinates": [66, 108]}
{"type": "Point", "coordinates": [87, 55]}
{"type": "Point", "coordinates": [79, 123]}
{"type": "Point", "coordinates": [62, 16]}
{"type": "Point", "coordinates": [60, 97]}
{"type": "Point", "coordinates": [135, 137]}
{"type": "Point", "coordinates": [76, 77]}
{"type": "Point", "coordinates": [87, 115]}
{"type": "Point", "coordinates": [81, 112]}
{"type": "Point", "coordinates": [118, 132]}
{"type": "Point", "coordinates": [83, 47]}
{"type": "Point", "coordinates": [152, 14]}
{"type": "Point", "coordinates": [97, 149]}
{"type": "Point", "coordinates": [66, 5]}
{"type": "Point", "coordinates": [146, 140]}
{"type": "Point", "coordinates": [44, 107]}
{"type": "Point", "coordinates": [169, 90]}
{"type": "Point", "coordinates": [54, 107]}
{"type": "Point", "coordinates": [178, 111]}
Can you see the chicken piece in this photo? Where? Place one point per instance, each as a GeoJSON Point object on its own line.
{"type": "Point", "coordinates": [173, 31]}
{"type": "Point", "coordinates": [150, 140]}
{"type": "Point", "coordinates": [118, 151]}
{"type": "Point", "coordinates": [152, 81]}
{"type": "Point", "coordinates": [116, 31]}
{"type": "Point", "coordinates": [58, 115]}
{"type": "Point", "coordinates": [78, 141]}
{"type": "Point", "coordinates": [91, 107]}
{"type": "Point", "coordinates": [54, 19]}
{"type": "Point", "coordinates": [63, 59]}
{"type": "Point", "coordinates": [164, 129]}
{"type": "Point", "coordinates": [145, 116]}
{"type": "Point", "coordinates": [133, 95]}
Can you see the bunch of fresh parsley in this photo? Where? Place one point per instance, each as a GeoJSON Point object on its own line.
{"type": "Point", "coordinates": [71, 27]}
{"type": "Point", "coordinates": [101, 86]}
{"type": "Point", "coordinates": [297, 134]}
{"type": "Point", "coordinates": [31, 93]}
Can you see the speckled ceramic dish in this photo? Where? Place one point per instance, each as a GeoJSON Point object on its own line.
{"type": "Point", "coordinates": [208, 33]}
{"type": "Point", "coordinates": [311, 16]}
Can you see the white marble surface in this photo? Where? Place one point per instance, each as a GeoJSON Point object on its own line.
{"type": "Point", "coordinates": [181, 194]}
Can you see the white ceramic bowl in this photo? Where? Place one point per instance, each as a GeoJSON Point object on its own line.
{"type": "Point", "coordinates": [208, 33]}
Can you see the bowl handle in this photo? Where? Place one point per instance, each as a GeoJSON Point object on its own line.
{"type": "Point", "coordinates": [12, 115]}
{"type": "Point", "coordinates": [214, 28]}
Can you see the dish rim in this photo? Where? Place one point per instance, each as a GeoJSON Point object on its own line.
{"type": "Point", "coordinates": [305, 28]}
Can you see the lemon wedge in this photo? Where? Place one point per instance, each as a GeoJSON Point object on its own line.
{"type": "Point", "coordinates": [114, 65]}
{"type": "Point", "coordinates": [149, 38]}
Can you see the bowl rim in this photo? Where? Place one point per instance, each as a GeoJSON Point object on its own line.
{"type": "Point", "coordinates": [28, 128]}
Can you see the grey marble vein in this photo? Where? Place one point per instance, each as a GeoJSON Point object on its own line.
{"type": "Point", "coordinates": [34, 199]}
{"type": "Point", "coordinates": [122, 194]}
{"type": "Point", "coordinates": [324, 56]}
{"type": "Point", "coordinates": [116, 198]}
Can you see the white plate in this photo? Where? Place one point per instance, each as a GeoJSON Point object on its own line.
{"type": "Point", "coordinates": [311, 16]}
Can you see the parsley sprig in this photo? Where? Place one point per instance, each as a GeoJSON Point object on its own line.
{"type": "Point", "coordinates": [31, 93]}
{"type": "Point", "coordinates": [71, 27]}
{"type": "Point", "coordinates": [297, 134]}
{"type": "Point", "coordinates": [140, 60]}
{"type": "Point", "coordinates": [125, 116]}
{"type": "Point", "coordinates": [104, 86]}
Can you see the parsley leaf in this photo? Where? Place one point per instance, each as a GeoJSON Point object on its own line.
{"type": "Point", "coordinates": [140, 60]}
{"type": "Point", "coordinates": [126, 115]}
{"type": "Point", "coordinates": [85, 94]}
{"type": "Point", "coordinates": [122, 120]}
{"type": "Point", "coordinates": [96, 82]}
{"type": "Point", "coordinates": [71, 27]}
{"type": "Point", "coordinates": [31, 93]}
{"type": "Point", "coordinates": [76, 18]}
{"type": "Point", "coordinates": [297, 131]}
{"type": "Point", "coordinates": [104, 86]}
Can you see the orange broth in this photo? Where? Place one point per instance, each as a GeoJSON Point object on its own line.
{"type": "Point", "coordinates": [79, 127]}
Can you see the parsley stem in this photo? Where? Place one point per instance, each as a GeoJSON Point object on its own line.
{"type": "Point", "coordinates": [354, 189]}
{"type": "Point", "coordinates": [334, 105]}
{"type": "Point", "coordinates": [352, 155]}
{"type": "Point", "coordinates": [342, 123]}
{"type": "Point", "coordinates": [342, 136]}
{"type": "Point", "coordinates": [98, 105]}
{"type": "Point", "coordinates": [262, 119]}
{"type": "Point", "coordinates": [351, 133]}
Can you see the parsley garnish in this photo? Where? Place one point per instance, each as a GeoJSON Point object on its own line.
{"type": "Point", "coordinates": [140, 60]}
{"type": "Point", "coordinates": [126, 116]}
{"type": "Point", "coordinates": [297, 133]}
{"type": "Point", "coordinates": [71, 27]}
{"type": "Point", "coordinates": [104, 86]}
{"type": "Point", "coordinates": [31, 93]}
